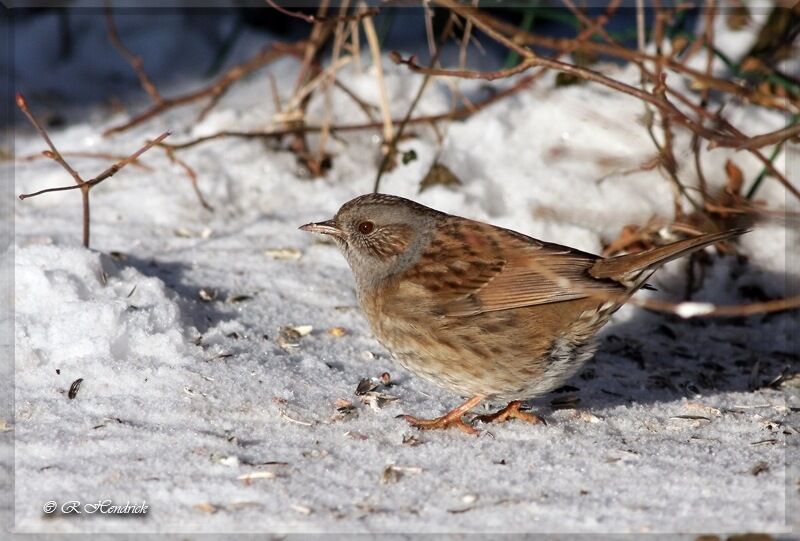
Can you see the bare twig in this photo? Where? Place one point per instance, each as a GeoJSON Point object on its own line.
{"type": "Point", "coordinates": [135, 61]}
{"type": "Point", "coordinates": [190, 174]}
{"type": "Point", "coordinates": [321, 18]}
{"type": "Point", "coordinates": [719, 139]}
{"type": "Point", "coordinates": [387, 157]}
{"type": "Point", "coordinates": [375, 49]}
{"type": "Point", "coordinates": [80, 184]}
{"type": "Point", "coordinates": [215, 89]}
{"type": "Point", "coordinates": [82, 154]}
{"type": "Point", "coordinates": [330, 79]}
{"type": "Point", "coordinates": [699, 78]}
{"type": "Point", "coordinates": [692, 309]}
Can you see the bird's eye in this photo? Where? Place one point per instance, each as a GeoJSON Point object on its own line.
{"type": "Point", "coordinates": [365, 228]}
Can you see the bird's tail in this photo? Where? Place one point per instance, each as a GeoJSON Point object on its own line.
{"type": "Point", "coordinates": [633, 268]}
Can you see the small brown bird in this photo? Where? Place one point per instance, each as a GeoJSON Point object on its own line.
{"type": "Point", "coordinates": [483, 311]}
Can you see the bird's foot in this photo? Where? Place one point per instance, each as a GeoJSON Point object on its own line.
{"type": "Point", "coordinates": [511, 411]}
{"type": "Point", "coordinates": [451, 419]}
{"type": "Point", "coordinates": [445, 421]}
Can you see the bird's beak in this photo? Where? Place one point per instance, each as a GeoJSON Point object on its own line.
{"type": "Point", "coordinates": [327, 227]}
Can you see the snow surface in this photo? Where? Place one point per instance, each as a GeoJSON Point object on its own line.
{"type": "Point", "coordinates": [221, 420]}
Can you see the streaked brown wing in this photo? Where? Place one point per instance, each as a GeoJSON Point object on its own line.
{"type": "Point", "coordinates": [471, 268]}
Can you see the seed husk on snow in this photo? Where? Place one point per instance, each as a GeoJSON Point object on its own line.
{"type": "Point", "coordinates": [74, 388]}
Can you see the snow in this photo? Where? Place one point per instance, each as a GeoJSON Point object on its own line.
{"type": "Point", "coordinates": [202, 398]}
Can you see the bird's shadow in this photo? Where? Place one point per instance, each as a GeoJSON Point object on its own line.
{"type": "Point", "coordinates": [661, 357]}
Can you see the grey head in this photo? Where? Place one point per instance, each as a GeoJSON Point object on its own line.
{"type": "Point", "coordinates": [379, 235]}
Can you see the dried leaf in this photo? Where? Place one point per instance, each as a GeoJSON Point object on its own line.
{"type": "Point", "coordinates": [409, 156]}
{"type": "Point", "coordinates": [735, 178]}
{"type": "Point", "coordinates": [439, 175]}
{"type": "Point", "coordinates": [738, 17]}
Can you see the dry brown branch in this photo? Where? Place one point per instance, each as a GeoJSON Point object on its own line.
{"type": "Point", "coordinates": [215, 89]}
{"type": "Point", "coordinates": [190, 174]}
{"type": "Point", "coordinates": [80, 184]}
{"type": "Point", "coordinates": [699, 78]}
{"type": "Point", "coordinates": [278, 133]}
{"type": "Point", "coordinates": [522, 83]}
{"type": "Point", "coordinates": [368, 108]}
{"type": "Point", "coordinates": [660, 101]}
{"type": "Point", "coordinates": [386, 113]}
{"type": "Point", "coordinates": [411, 62]}
{"type": "Point", "coordinates": [135, 61]}
{"type": "Point", "coordinates": [692, 309]}
{"type": "Point", "coordinates": [82, 154]}
{"type": "Point", "coordinates": [296, 111]}
{"type": "Point", "coordinates": [392, 144]}
{"type": "Point", "coordinates": [328, 83]}
{"type": "Point", "coordinates": [321, 18]}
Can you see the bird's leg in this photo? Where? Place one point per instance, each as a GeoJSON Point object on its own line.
{"type": "Point", "coordinates": [452, 418]}
{"type": "Point", "coordinates": [511, 411]}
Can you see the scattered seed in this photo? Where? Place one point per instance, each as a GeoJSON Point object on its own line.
{"type": "Point", "coordinates": [207, 295]}
{"type": "Point", "coordinates": [283, 414]}
{"type": "Point", "coordinates": [392, 473]}
{"type": "Point", "coordinates": [337, 331]}
{"type": "Point", "coordinates": [691, 417]}
{"type": "Point", "coordinates": [302, 509]}
{"type": "Point", "coordinates": [257, 475]}
{"type": "Point", "coordinates": [289, 337]}
{"type": "Point", "coordinates": [365, 385]}
{"type": "Point", "coordinates": [206, 507]}
{"type": "Point", "coordinates": [74, 388]}
{"type": "Point", "coordinates": [411, 440]}
{"type": "Point", "coordinates": [284, 254]}
{"type": "Point", "coordinates": [344, 406]}
{"type": "Point", "coordinates": [376, 400]}
{"type": "Point", "coordinates": [762, 442]}
{"type": "Point", "coordinates": [232, 461]}
{"type": "Point", "coordinates": [238, 298]}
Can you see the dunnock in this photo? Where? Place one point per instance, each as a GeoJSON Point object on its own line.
{"type": "Point", "coordinates": [485, 312]}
